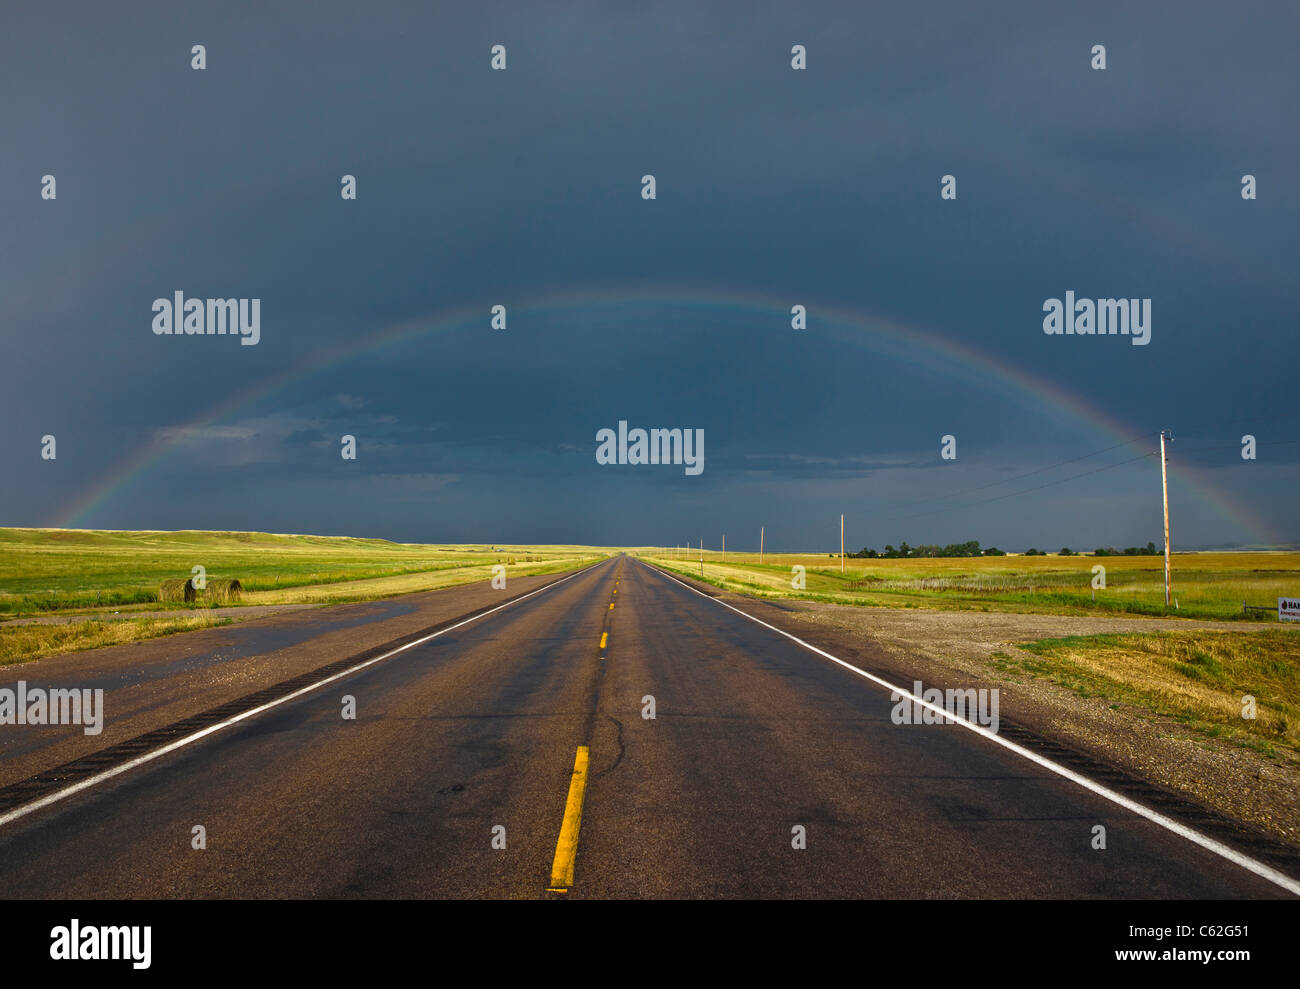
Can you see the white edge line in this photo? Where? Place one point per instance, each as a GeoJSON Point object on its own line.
{"type": "Point", "coordinates": [24, 809]}
{"type": "Point", "coordinates": [1182, 830]}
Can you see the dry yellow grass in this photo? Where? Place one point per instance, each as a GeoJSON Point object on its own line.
{"type": "Point", "coordinates": [1200, 678]}
{"type": "Point", "coordinates": [23, 642]}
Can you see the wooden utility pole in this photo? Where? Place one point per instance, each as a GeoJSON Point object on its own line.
{"type": "Point", "coordinates": [724, 547]}
{"type": "Point", "coordinates": [760, 545]}
{"type": "Point", "coordinates": [1164, 490]}
{"type": "Point", "coordinates": [701, 556]}
{"type": "Point", "coordinates": [841, 544]}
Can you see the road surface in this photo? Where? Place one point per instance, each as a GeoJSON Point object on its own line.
{"type": "Point", "coordinates": [471, 740]}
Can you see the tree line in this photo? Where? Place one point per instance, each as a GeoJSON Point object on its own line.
{"type": "Point", "coordinates": [972, 548]}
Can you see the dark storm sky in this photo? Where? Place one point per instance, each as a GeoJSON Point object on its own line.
{"type": "Point", "coordinates": [775, 187]}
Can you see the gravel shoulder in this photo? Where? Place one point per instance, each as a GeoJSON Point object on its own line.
{"type": "Point", "coordinates": [956, 649]}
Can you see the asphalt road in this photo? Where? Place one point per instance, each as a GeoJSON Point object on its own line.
{"type": "Point", "coordinates": [479, 728]}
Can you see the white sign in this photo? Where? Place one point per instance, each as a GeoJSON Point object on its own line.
{"type": "Point", "coordinates": [1288, 609]}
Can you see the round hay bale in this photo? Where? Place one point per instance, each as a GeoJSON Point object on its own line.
{"type": "Point", "coordinates": [223, 589]}
{"type": "Point", "coordinates": [177, 589]}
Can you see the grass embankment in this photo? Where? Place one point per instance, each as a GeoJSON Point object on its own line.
{"type": "Point", "coordinates": [25, 642]}
{"type": "Point", "coordinates": [1197, 678]}
{"type": "Point", "coordinates": [1206, 585]}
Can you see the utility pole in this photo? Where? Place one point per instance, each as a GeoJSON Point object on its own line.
{"type": "Point", "coordinates": [1164, 490]}
{"type": "Point", "coordinates": [701, 556]}
{"type": "Point", "coordinates": [841, 544]}
{"type": "Point", "coordinates": [724, 547]}
{"type": "Point", "coordinates": [760, 545]}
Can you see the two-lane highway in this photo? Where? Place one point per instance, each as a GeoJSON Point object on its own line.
{"type": "Point", "coordinates": [766, 771]}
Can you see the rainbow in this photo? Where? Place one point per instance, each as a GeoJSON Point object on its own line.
{"type": "Point", "coordinates": [876, 332]}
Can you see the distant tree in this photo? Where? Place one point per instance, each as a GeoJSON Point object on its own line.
{"type": "Point", "coordinates": [1066, 551]}
{"type": "Point", "coordinates": [994, 551]}
{"type": "Point", "coordinates": [1033, 552]}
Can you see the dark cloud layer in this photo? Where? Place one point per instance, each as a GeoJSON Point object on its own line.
{"type": "Point", "coordinates": [775, 187]}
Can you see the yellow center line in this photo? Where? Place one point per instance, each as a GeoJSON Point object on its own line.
{"type": "Point", "coordinates": [611, 606]}
{"type": "Point", "coordinates": [604, 637]}
{"type": "Point", "coordinates": [566, 849]}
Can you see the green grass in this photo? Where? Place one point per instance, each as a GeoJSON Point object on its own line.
{"type": "Point", "coordinates": [1196, 678]}
{"type": "Point", "coordinates": [61, 570]}
{"type": "Point", "coordinates": [1206, 585]}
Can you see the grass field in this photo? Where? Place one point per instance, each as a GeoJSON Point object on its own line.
{"type": "Point", "coordinates": [1206, 585]}
{"type": "Point", "coordinates": [26, 642]}
{"type": "Point", "coordinates": [45, 571]}
{"type": "Point", "coordinates": [1198, 678]}
{"type": "Point", "coordinates": [73, 571]}
{"type": "Point", "coordinates": [66, 571]}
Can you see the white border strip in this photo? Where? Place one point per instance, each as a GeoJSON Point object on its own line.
{"type": "Point", "coordinates": [1182, 830]}
{"type": "Point", "coordinates": [24, 809]}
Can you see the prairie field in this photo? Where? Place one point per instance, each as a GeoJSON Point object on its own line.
{"type": "Point", "coordinates": [102, 574]}
{"type": "Point", "coordinates": [51, 571]}
{"type": "Point", "coordinates": [1205, 585]}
